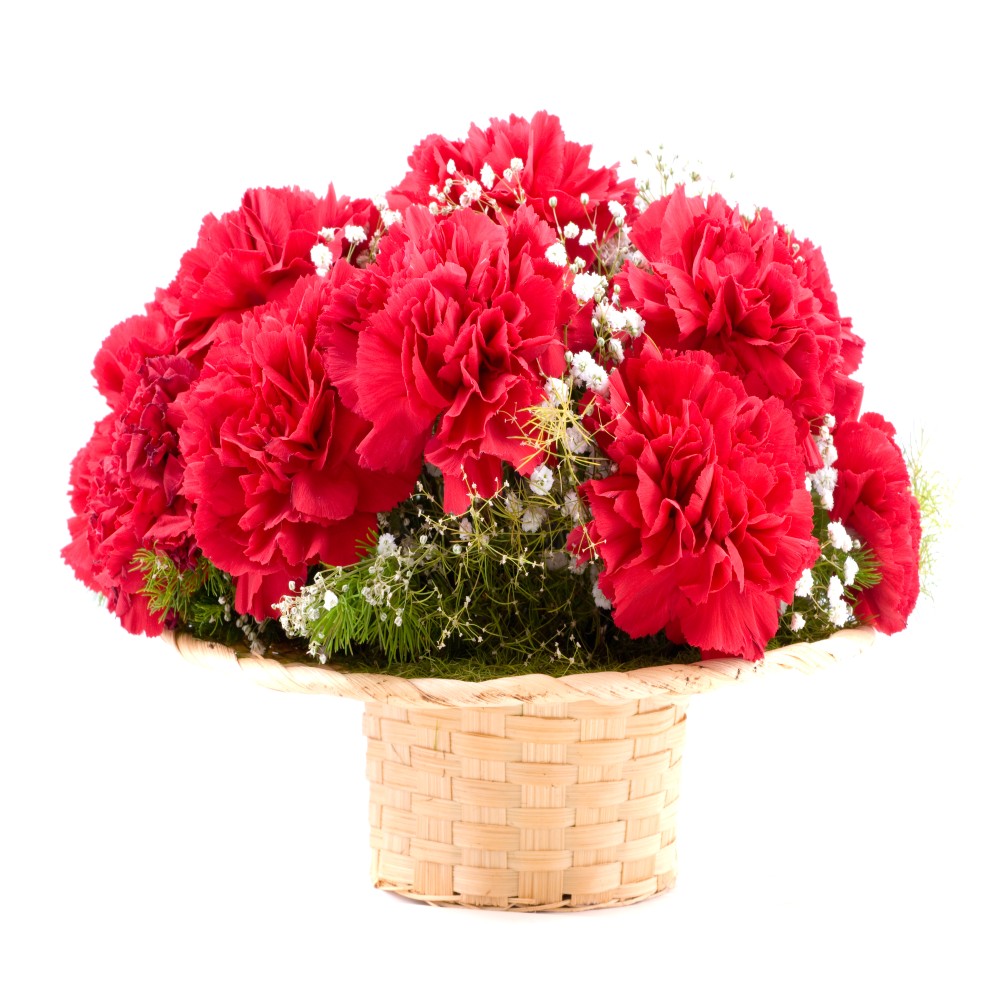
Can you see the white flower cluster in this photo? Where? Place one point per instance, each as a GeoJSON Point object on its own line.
{"type": "Point", "coordinates": [589, 286]}
{"type": "Point", "coordinates": [587, 372]}
{"type": "Point", "coordinates": [838, 611]}
{"type": "Point", "coordinates": [824, 481]}
{"type": "Point", "coordinates": [322, 258]}
{"type": "Point", "coordinates": [618, 320]}
{"type": "Point", "coordinates": [541, 480]}
{"type": "Point", "coordinates": [839, 536]}
{"type": "Point", "coordinates": [556, 254]}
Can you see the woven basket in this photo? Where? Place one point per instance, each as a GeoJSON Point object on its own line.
{"type": "Point", "coordinates": [531, 792]}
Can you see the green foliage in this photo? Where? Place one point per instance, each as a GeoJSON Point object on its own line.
{"type": "Point", "coordinates": [200, 597]}
{"type": "Point", "coordinates": [814, 609]}
{"type": "Point", "coordinates": [934, 499]}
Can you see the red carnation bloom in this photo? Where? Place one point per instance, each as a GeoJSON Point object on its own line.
{"type": "Point", "coordinates": [255, 254]}
{"type": "Point", "coordinates": [705, 525]}
{"type": "Point", "coordinates": [270, 453]}
{"type": "Point", "coordinates": [553, 167]}
{"type": "Point", "coordinates": [126, 491]}
{"type": "Point", "coordinates": [127, 346]}
{"type": "Point", "coordinates": [874, 501]}
{"type": "Point", "coordinates": [446, 340]}
{"type": "Point", "coordinates": [750, 295]}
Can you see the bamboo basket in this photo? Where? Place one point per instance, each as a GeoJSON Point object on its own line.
{"type": "Point", "coordinates": [530, 792]}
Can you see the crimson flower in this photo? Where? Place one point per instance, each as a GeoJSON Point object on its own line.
{"type": "Point", "coordinates": [446, 340]}
{"type": "Point", "coordinates": [753, 296]}
{"type": "Point", "coordinates": [271, 455]}
{"type": "Point", "coordinates": [553, 167]}
{"type": "Point", "coordinates": [705, 524]}
{"type": "Point", "coordinates": [126, 491]}
{"type": "Point", "coordinates": [875, 502]}
{"type": "Point", "coordinates": [255, 254]}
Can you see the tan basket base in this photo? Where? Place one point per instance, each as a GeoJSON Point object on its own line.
{"type": "Point", "coordinates": [525, 807]}
{"type": "Point", "coordinates": [664, 883]}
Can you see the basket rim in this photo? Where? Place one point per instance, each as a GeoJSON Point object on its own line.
{"type": "Point", "coordinates": [678, 679]}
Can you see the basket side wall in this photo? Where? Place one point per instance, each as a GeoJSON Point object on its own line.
{"type": "Point", "coordinates": [553, 806]}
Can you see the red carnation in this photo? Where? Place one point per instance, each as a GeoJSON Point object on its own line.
{"type": "Point", "coordinates": [874, 501]}
{"type": "Point", "coordinates": [752, 296]}
{"type": "Point", "coordinates": [127, 346]}
{"type": "Point", "coordinates": [705, 524]}
{"type": "Point", "coordinates": [126, 491]}
{"type": "Point", "coordinates": [271, 454]}
{"type": "Point", "coordinates": [255, 254]}
{"type": "Point", "coordinates": [553, 167]}
{"type": "Point", "coordinates": [446, 340]}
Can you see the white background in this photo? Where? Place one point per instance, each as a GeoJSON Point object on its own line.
{"type": "Point", "coordinates": [167, 832]}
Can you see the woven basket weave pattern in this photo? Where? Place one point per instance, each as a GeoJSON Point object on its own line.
{"type": "Point", "coordinates": [538, 807]}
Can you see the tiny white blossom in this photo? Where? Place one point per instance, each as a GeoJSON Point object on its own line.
{"type": "Point", "coordinates": [487, 176]}
{"type": "Point", "coordinates": [457, 549]}
{"type": "Point", "coordinates": [850, 570]}
{"type": "Point", "coordinates": [465, 529]}
{"type": "Point", "coordinates": [387, 545]}
{"type": "Point", "coordinates": [839, 536]}
{"type": "Point", "coordinates": [633, 322]}
{"type": "Point", "coordinates": [433, 208]}
{"type": "Point", "coordinates": [553, 201]}
{"type": "Point", "coordinates": [555, 561]}
{"type": "Point", "coordinates": [473, 190]}
{"type": "Point", "coordinates": [615, 318]}
{"type": "Point", "coordinates": [508, 175]}
{"type": "Point", "coordinates": [584, 198]}
{"type": "Point", "coordinates": [541, 480]}
{"type": "Point", "coordinates": [557, 391]}
{"type": "Point", "coordinates": [797, 622]}
{"type": "Point", "coordinates": [576, 441]}
{"type": "Point", "coordinates": [578, 264]}
{"type": "Point", "coordinates": [326, 233]}
{"type": "Point", "coordinates": [617, 210]}
{"type": "Point", "coordinates": [571, 230]}
{"type": "Point", "coordinates": [322, 257]}
{"type": "Point", "coordinates": [587, 237]}
{"type": "Point", "coordinates": [355, 234]}
{"type": "Point", "coordinates": [805, 584]}
{"type": "Point", "coordinates": [599, 599]}
{"type": "Point", "coordinates": [616, 350]}
{"type": "Point", "coordinates": [835, 589]}
{"type": "Point", "coordinates": [824, 480]}
{"type": "Point", "coordinates": [330, 600]}
{"type": "Point", "coordinates": [556, 254]}
{"type": "Point", "coordinates": [573, 508]}
{"type": "Point", "coordinates": [830, 421]}
{"type": "Point", "coordinates": [517, 163]}
{"type": "Point", "coordinates": [512, 504]}
{"type": "Point", "coordinates": [579, 363]}
{"type": "Point", "coordinates": [390, 217]}
{"type": "Point", "coordinates": [596, 379]}
{"type": "Point", "coordinates": [432, 191]}
{"type": "Point", "coordinates": [450, 166]}
{"type": "Point", "coordinates": [589, 286]}
{"type": "Point", "coordinates": [638, 258]}
{"type": "Point", "coordinates": [532, 519]}
{"type": "Point", "coordinates": [839, 613]}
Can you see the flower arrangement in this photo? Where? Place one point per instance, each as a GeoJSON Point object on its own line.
{"type": "Point", "coordinates": [519, 414]}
